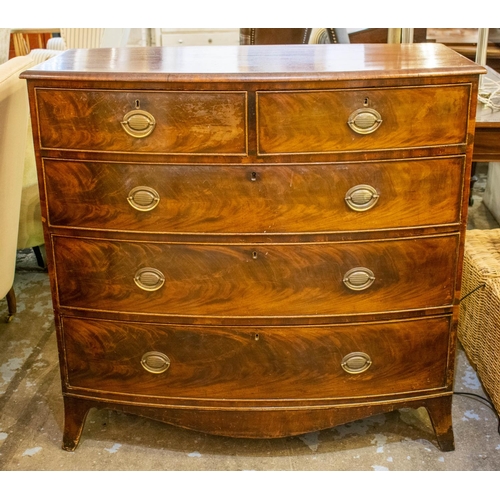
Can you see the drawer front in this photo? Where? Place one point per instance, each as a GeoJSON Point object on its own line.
{"type": "Point", "coordinates": [255, 198]}
{"type": "Point", "coordinates": [317, 121]}
{"type": "Point", "coordinates": [278, 280]}
{"type": "Point", "coordinates": [249, 363]}
{"type": "Point", "coordinates": [184, 122]}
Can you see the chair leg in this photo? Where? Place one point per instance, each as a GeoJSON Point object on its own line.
{"type": "Point", "coordinates": [39, 257]}
{"type": "Point", "coordinates": [11, 304]}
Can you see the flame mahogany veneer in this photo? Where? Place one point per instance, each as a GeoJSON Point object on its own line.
{"type": "Point", "coordinates": [255, 241]}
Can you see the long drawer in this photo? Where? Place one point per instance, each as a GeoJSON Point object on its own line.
{"type": "Point", "coordinates": [254, 199]}
{"type": "Point", "coordinates": [276, 280]}
{"type": "Point", "coordinates": [251, 363]}
{"type": "Point", "coordinates": [380, 119]}
{"type": "Point", "coordinates": [153, 122]}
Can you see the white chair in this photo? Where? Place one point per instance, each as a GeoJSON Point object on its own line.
{"type": "Point", "coordinates": [89, 38]}
{"type": "Point", "coordinates": [14, 115]}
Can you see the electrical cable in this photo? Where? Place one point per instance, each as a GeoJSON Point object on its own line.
{"type": "Point", "coordinates": [489, 93]}
{"type": "Point", "coordinates": [484, 400]}
{"type": "Point", "coordinates": [482, 285]}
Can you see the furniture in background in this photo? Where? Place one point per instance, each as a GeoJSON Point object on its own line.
{"type": "Point", "coordinates": [329, 35]}
{"type": "Point", "coordinates": [14, 115]}
{"type": "Point", "coordinates": [479, 323]}
{"type": "Point", "coordinates": [170, 37]}
{"type": "Point", "coordinates": [491, 196]}
{"type": "Point", "coordinates": [487, 144]}
{"type": "Point", "coordinates": [487, 137]}
{"type": "Point", "coordinates": [274, 36]}
{"type": "Point", "coordinates": [30, 233]}
{"type": "Point", "coordinates": [280, 36]}
{"type": "Point", "coordinates": [465, 40]}
{"type": "Point", "coordinates": [487, 147]}
{"type": "Point", "coordinates": [88, 38]}
{"type": "Point", "coordinates": [383, 35]}
{"type": "Point", "coordinates": [24, 40]}
{"type": "Point", "coordinates": [255, 248]}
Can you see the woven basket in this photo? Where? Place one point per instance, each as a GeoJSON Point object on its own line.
{"type": "Point", "coordinates": [479, 321]}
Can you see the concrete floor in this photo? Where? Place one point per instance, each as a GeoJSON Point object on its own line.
{"type": "Point", "coordinates": [31, 415]}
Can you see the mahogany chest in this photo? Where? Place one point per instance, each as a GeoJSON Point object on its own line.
{"type": "Point", "coordinates": [255, 241]}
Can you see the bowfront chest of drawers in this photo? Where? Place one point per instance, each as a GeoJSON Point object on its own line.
{"type": "Point", "coordinates": [255, 241]}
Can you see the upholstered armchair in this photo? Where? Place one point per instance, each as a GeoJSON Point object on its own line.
{"type": "Point", "coordinates": [14, 115]}
{"type": "Point", "coordinates": [89, 38]}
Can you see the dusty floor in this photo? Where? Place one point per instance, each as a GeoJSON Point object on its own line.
{"type": "Point", "coordinates": [31, 415]}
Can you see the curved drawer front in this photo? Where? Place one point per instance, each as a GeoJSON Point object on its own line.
{"type": "Point", "coordinates": [255, 198]}
{"type": "Point", "coordinates": [250, 363]}
{"type": "Point", "coordinates": [282, 280]}
{"type": "Point", "coordinates": [114, 121]}
{"type": "Point", "coordinates": [318, 121]}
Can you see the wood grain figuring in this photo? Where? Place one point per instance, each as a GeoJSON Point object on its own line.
{"type": "Point", "coordinates": [282, 199]}
{"type": "Point", "coordinates": [276, 280]}
{"type": "Point", "coordinates": [186, 122]}
{"type": "Point", "coordinates": [316, 121]}
{"type": "Point", "coordinates": [222, 240]}
{"type": "Point", "coordinates": [256, 363]}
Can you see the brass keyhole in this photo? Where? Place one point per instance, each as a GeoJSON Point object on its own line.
{"type": "Point", "coordinates": [253, 177]}
{"type": "Point", "coordinates": [254, 255]}
{"type": "Point", "coordinates": [137, 104]}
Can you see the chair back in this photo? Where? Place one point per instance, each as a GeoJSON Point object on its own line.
{"type": "Point", "coordinates": [274, 36]}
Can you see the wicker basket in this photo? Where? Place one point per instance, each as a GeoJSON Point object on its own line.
{"type": "Point", "coordinates": [479, 321]}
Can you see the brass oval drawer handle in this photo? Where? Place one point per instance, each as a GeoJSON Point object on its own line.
{"type": "Point", "coordinates": [138, 123]}
{"type": "Point", "coordinates": [149, 279]}
{"type": "Point", "coordinates": [356, 362]}
{"type": "Point", "coordinates": [359, 278]}
{"type": "Point", "coordinates": [155, 362]}
{"type": "Point", "coordinates": [361, 197]}
{"type": "Point", "coordinates": [143, 198]}
{"type": "Point", "coordinates": [365, 120]}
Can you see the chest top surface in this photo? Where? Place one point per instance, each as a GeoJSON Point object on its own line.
{"type": "Point", "coordinates": [256, 63]}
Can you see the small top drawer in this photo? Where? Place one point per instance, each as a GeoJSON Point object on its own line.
{"type": "Point", "coordinates": [329, 121]}
{"type": "Point", "coordinates": [148, 122]}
